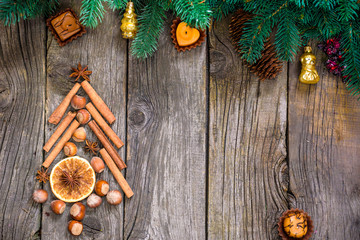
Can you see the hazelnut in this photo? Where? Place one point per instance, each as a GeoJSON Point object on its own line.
{"type": "Point", "coordinates": [114, 197]}
{"type": "Point", "coordinates": [40, 195]}
{"type": "Point", "coordinates": [77, 211]}
{"type": "Point", "coordinates": [102, 188]}
{"type": "Point", "coordinates": [75, 227]}
{"type": "Point", "coordinates": [78, 102]}
{"type": "Point", "coordinates": [97, 164]}
{"type": "Point", "coordinates": [93, 201]}
{"type": "Point", "coordinates": [79, 135]}
{"type": "Point", "coordinates": [70, 149]}
{"type": "Point", "coordinates": [58, 206]}
{"type": "Point", "coordinates": [83, 116]}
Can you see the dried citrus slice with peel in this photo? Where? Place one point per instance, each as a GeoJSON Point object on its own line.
{"type": "Point", "coordinates": [72, 179]}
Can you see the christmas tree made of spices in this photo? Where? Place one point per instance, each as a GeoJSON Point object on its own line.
{"type": "Point", "coordinates": [99, 111]}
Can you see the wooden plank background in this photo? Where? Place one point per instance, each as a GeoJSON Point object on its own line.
{"type": "Point", "coordinates": [212, 152]}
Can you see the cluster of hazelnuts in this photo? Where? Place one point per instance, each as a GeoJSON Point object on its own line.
{"type": "Point", "coordinates": [83, 116]}
{"type": "Point", "coordinates": [77, 210]}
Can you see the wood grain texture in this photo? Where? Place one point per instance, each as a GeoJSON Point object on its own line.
{"type": "Point", "coordinates": [104, 51]}
{"type": "Point", "coordinates": [166, 144]}
{"type": "Point", "coordinates": [247, 146]}
{"type": "Point", "coordinates": [22, 100]}
{"type": "Point", "coordinates": [324, 150]}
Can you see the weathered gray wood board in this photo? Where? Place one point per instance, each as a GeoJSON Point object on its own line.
{"type": "Point", "coordinates": [166, 144]}
{"type": "Point", "coordinates": [22, 99]}
{"type": "Point", "coordinates": [247, 146]}
{"type": "Point", "coordinates": [324, 153]}
{"type": "Point", "coordinates": [104, 51]}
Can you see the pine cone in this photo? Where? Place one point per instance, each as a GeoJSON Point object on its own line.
{"type": "Point", "coordinates": [268, 66]}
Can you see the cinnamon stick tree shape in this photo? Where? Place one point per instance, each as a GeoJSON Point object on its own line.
{"type": "Point", "coordinates": [104, 126]}
{"type": "Point", "coordinates": [59, 130]}
{"type": "Point", "coordinates": [117, 174]}
{"type": "Point", "coordinates": [98, 102]}
{"type": "Point", "coordinates": [107, 145]}
{"type": "Point", "coordinates": [60, 110]}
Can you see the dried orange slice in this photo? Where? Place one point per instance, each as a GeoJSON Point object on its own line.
{"type": "Point", "coordinates": [72, 179]}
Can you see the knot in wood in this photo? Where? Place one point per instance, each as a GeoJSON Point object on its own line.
{"type": "Point", "coordinates": [5, 96]}
{"type": "Point", "coordinates": [140, 114]}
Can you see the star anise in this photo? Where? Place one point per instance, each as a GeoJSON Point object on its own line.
{"type": "Point", "coordinates": [42, 175]}
{"type": "Point", "coordinates": [70, 179]}
{"type": "Point", "coordinates": [91, 147]}
{"type": "Point", "coordinates": [81, 72]}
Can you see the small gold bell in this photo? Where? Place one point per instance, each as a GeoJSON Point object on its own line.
{"type": "Point", "coordinates": [308, 73]}
{"type": "Point", "coordinates": [129, 22]}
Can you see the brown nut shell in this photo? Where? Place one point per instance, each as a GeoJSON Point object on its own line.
{"type": "Point", "coordinates": [70, 149]}
{"type": "Point", "coordinates": [174, 26]}
{"type": "Point", "coordinates": [79, 135]}
{"type": "Point", "coordinates": [97, 164]}
{"type": "Point", "coordinates": [83, 116]}
{"type": "Point", "coordinates": [40, 195]}
{"type": "Point", "coordinates": [78, 102]}
{"type": "Point", "coordinates": [114, 197]}
{"type": "Point", "coordinates": [285, 215]}
{"type": "Point", "coordinates": [77, 211]}
{"type": "Point", "coordinates": [102, 188]}
{"type": "Point", "coordinates": [58, 206]}
{"type": "Point", "coordinates": [93, 201]}
{"type": "Point", "coordinates": [75, 227]}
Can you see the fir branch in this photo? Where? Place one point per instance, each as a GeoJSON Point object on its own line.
{"type": "Point", "coordinates": [12, 11]}
{"type": "Point", "coordinates": [328, 24]}
{"type": "Point", "coordinates": [347, 10]}
{"type": "Point", "coordinates": [325, 4]}
{"type": "Point", "coordinates": [350, 44]}
{"type": "Point", "coordinates": [287, 39]}
{"type": "Point", "coordinates": [222, 8]}
{"type": "Point", "coordinates": [92, 12]}
{"type": "Point", "coordinates": [256, 31]}
{"type": "Point", "coordinates": [196, 13]}
{"type": "Point", "coordinates": [117, 4]}
{"type": "Point", "coordinates": [151, 23]}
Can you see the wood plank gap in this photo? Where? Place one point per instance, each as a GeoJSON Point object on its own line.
{"type": "Point", "coordinates": [207, 144]}
{"type": "Point", "coordinates": [126, 126]}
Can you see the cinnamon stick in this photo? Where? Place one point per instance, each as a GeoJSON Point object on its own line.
{"type": "Point", "coordinates": [117, 174]}
{"type": "Point", "coordinates": [105, 127]}
{"type": "Point", "coordinates": [59, 130]}
{"type": "Point", "coordinates": [107, 145]}
{"type": "Point", "coordinates": [60, 110]}
{"type": "Point", "coordinates": [57, 149]}
{"type": "Point", "coordinates": [98, 102]}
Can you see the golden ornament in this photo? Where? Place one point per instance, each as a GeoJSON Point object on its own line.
{"type": "Point", "coordinates": [308, 74]}
{"type": "Point", "coordinates": [129, 22]}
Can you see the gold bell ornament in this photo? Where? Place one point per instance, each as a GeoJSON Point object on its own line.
{"type": "Point", "coordinates": [129, 22]}
{"type": "Point", "coordinates": [308, 73]}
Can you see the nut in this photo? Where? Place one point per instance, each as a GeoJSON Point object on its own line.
{"type": "Point", "coordinates": [114, 197]}
{"type": "Point", "coordinates": [58, 206]}
{"type": "Point", "coordinates": [97, 164]}
{"type": "Point", "coordinates": [79, 135]}
{"type": "Point", "coordinates": [83, 116]}
{"type": "Point", "coordinates": [70, 149]}
{"type": "Point", "coordinates": [40, 195]}
{"type": "Point", "coordinates": [77, 211]}
{"type": "Point", "coordinates": [75, 227]}
{"type": "Point", "coordinates": [102, 188]}
{"type": "Point", "coordinates": [93, 201]}
{"type": "Point", "coordinates": [78, 102]}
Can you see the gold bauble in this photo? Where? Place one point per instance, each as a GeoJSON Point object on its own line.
{"type": "Point", "coordinates": [129, 22]}
{"type": "Point", "coordinates": [308, 73]}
